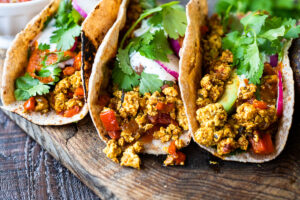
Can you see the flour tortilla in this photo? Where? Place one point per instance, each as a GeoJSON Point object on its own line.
{"type": "Point", "coordinates": [108, 49]}
{"type": "Point", "coordinates": [193, 78]}
{"type": "Point", "coordinates": [93, 28]}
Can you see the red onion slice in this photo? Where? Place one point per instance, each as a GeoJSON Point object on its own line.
{"type": "Point", "coordinates": [79, 9]}
{"type": "Point", "coordinates": [279, 105]}
{"type": "Point", "coordinates": [171, 67]}
{"type": "Point", "coordinates": [175, 46]}
{"type": "Point", "coordinates": [75, 45]}
{"type": "Point", "coordinates": [274, 60]}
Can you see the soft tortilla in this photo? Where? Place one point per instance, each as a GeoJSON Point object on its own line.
{"type": "Point", "coordinates": [107, 51]}
{"type": "Point", "coordinates": [193, 81]}
{"type": "Point", "coordinates": [94, 28]}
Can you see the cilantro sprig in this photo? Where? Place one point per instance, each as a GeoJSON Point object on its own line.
{"type": "Point", "coordinates": [66, 22]}
{"type": "Point", "coordinates": [167, 20]}
{"type": "Point", "coordinates": [26, 87]}
{"type": "Point", "coordinates": [262, 36]}
{"type": "Point", "coordinates": [172, 18]}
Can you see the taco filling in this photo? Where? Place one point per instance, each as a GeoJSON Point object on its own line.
{"type": "Point", "coordinates": [52, 80]}
{"type": "Point", "coordinates": [142, 104]}
{"type": "Point", "coordinates": [240, 97]}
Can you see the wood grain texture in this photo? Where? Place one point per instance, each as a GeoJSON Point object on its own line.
{"type": "Point", "coordinates": [27, 171]}
{"type": "Point", "coordinates": [78, 147]}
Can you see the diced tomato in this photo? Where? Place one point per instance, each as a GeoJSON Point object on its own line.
{"type": "Point", "coordinates": [34, 63]}
{"type": "Point", "coordinates": [260, 104]}
{"type": "Point", "coordinates": [177, 155]}
{"type": "Point", "coordinates": [166, 108]}
{"type": "Point", "coordinates": [29, 105]}
{"type": "Point", "coordinates": [79, 91]}
{"type": "Point", "coordinates": [109, 121]}
{"type": "Point", "coordinates": [71, 112]}
{"type": "Point", "coordinates": [69, 71]}
{"type": "Point", "coordinates": [103, 100]}
{"type": "Point", "coordinates": [246, 81]}
{"type": "Point", "coordinates": [180, 157]}
{"type": "Point", "coordinates": [204, 29]}
{"type": "Point", "coordinates": [114, 134]}
{"type": "Point", "coordinates": [263, 145]}
{"type": "Point", "coordinates": [160, 106]}
{"type": "Point", "coordinates": [172, 148]}
{"type": "Point", "coordinates": [77, 61]}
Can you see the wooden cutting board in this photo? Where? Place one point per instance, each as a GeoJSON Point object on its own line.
{"type": "Point", "coordinates": [78, 147]}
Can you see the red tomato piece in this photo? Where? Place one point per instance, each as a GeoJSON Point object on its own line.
{"type": "Point", "coordinates": [180, 157]}
{"type": "Point", "coordinates": [29, 105]}
{"type": "Point", "coordinates": [260, 104]}
{"type": "Point", "coordinates": [114, 134]}
{"type": "Point", "coordinates": [109, 120]}
{"type": "Point", "coordinates": [264, 145]}
{"type": "Point", "coordinates": [172, 148]}
{"type": "Point", "coordinates": [69, 71]}
{"type": "Point", "coordinates": [71, 112]}
{"type": "Point", "coordinates": [79, 91]}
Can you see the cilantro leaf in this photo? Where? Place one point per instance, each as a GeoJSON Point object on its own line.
{"type": "Point", "coordinates": [52, 71]}
{"type": "Point", "coordinates": [125, 81]}
{"type": "Point", "coordinates": [158, 48]}
{"type": "Point", "coordinates": [293, 33]}
{"type": "Point", "coordinates": [148, 4]}
{"type": "Point", "coordinates": [44, 46]}
{"type": "Point", "coordinates": [66, 22]}
{"type": "Point", "coordinates": [147, 13]}
{"type": "Point", "coordinates": [26, 87]}
{"type": "Point", "coordinates": [150, 83]}
{"type": "Point", "coordinates": [124, 61]}
{"type": "Point", "coordinates": [174, 21]}
{"type": "Point", "coordinates": [254, 21]}
{"type": "Point", "coordinates": [65, 37]}
{"type": "Point", "coordinates": [255, 64]}
{"type": "Point", "coordinates": [273, 34]}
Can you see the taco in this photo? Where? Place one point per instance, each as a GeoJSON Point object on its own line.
{"type": "Point", "coordinates": [134, 89]}
{"type": "Point", "coordinates": [242, 107]}
{"type": "Point", "coordinates": [42, 72]}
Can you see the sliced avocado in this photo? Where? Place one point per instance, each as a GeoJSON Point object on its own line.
{"type": "Point", "coordinates": [231, 92]}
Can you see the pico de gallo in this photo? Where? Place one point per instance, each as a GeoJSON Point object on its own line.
{"type": "Point", "coordinates": [143, 105]}
{"type": "Point", "coordinates": [240, 97]}
{"type": "Point", "coordinates": [52, 80]}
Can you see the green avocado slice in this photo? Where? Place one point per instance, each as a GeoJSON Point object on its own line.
{"type": "Point", "coordinates": [231, 92]}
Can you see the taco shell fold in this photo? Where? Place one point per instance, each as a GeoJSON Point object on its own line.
{"type": "Point", "coordinates": [190, 52]}
{"type": "Point", "coordinates": [93, 31]}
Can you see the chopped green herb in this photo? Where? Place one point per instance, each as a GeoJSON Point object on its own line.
{"type": "Point", "coordinates": [262, 36]}
{"type": "Point", "coordinates": [44, 46]}
{"type": "Point", "coordinates": [26, 87]}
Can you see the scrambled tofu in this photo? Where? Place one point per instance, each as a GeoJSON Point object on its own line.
{"type": "Point", "coordinates": [247, 115]}
{"type": "Point", "coordinates": [139, 115]}
{"type": "Point", "coordinates": [63, 98]}
{"type": "Point", "coordinates": [130, 158]}
{"type": "Point", "coordinates": [212, 115]}
{"type": "Point", "coordinates": [42, 104]}
{"type": "Point", "coordinates": [112, 150]}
